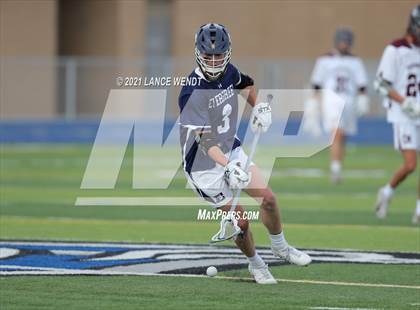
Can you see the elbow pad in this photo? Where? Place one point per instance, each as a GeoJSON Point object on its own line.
{"type": "Point", "coordinates": [206, 139]}
{"type": "Point", "coordinates": [382, 86]}
{"type": "Point", "coordinates": [244, 81]}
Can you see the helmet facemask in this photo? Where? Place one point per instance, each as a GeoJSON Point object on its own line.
{"type": "Point", "coordinates": [213, 65]}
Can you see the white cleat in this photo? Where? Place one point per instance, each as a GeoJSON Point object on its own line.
{"type": "Point", "coordinates": [335, 177]}
{"type": "Point", "coordinates": [293, 256]}
{"type": "Point", "coordinates": [262, 275]}
{"type": "Point", "coordinates": [416, 218]}
{"type": "Point", "coordinates": [382, 203]}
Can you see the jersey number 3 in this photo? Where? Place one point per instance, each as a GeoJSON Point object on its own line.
{"type": "Point", "coordinates": [227, 110]}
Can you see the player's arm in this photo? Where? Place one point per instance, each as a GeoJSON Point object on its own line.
{"type": "Point", "coordinates": [385, 88]}
{"type": "Point", "coordinates": [394, 95]}
{"type": "Point", "coordinates": [387, 74]}
{"type": "Point", "coordinates": [209, 144]}
{"type": "Point", "coordinates": [261, 112]}
{"type": "Point", "coordinates": [217, 155]}
{"type": "Point", "coordinates": [245, 85]}
{"type": "Point", "coordinates": [318, 78]}
{"type": "Point", "coordinates": [250, 94]}
{"type": "Point", "coordinates": [312, 104]}
{"type": "Point", "coordinates": [316, 93]}
{"type": "Point", "coordinates": [408, 104]}
{"type": "Point", "coordinates": [247, 89]}
{"type": "Point", "coordinates": [194, 116]}
{"type": "Point", "coordinates": [235, 176]}
{"type": "Point", "coordinates": [362, 99]}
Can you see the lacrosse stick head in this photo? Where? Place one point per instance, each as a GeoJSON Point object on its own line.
{"type": "Point", "coordinates": [228, 229]}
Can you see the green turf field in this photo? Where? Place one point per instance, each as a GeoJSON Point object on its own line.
{"type": "Point", "coordinates": [39, 186]}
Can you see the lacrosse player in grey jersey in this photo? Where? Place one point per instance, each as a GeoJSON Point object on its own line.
{"type": "Point", "coordinates": [213, 159]}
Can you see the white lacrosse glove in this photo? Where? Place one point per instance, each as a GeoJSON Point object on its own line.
{"type": "Point", "coordinates": [362, 104]}
{"type": "Point", "coordinates": [261, 117]}
{"type": "Point", "coordinates": [312, 117]}
{"type": "Point", "coordinates": [235, 176]}
{"type": "Point", "coordinates": [411, 107]}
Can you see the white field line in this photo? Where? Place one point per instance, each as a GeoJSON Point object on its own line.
{"type": "Point", "coordinates": [150, 201]}
{"type": "Point", "coordinates": [176, 201]}
{"type": "Point", "coordinates": [189, 201]}
{"type": "Point", "coordinates": [319, 173]}
{"type": "Point", "coordinates": [97, 220]}
{"type": "Point", "coordinates": [118, 273]}
{"type": "Point", "coordinates": [339, 308]}
{"type": "Point", "coordinates": [339, 283]}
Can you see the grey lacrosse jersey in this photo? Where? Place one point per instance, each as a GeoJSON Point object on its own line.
{"type": "Point", "coordinates": [209, 106]}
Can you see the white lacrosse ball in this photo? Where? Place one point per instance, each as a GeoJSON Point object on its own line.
{"type": "Point", "coordinates": [211, 271]}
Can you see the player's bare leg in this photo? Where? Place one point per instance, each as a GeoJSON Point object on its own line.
{"type": "Point", "coordinates": [385, 193]}
{"type": "Point", "coordinates": [337, 155]}
{"type": "Point", "coordinates": [244, 241]}
{"type": "Point", "coordinates": [409, 166]}
{"type": "Point", "coordinates": [270, 215]}
{"type": "Point", "coordinates": [416, 216]}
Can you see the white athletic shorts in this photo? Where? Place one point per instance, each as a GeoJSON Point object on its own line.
{"type": "Point", "coordinates": [211, 185]}
{"type": "Point", "coordinates": [406, 136]}
{"type": "Point", "coordinates": [333, 119]}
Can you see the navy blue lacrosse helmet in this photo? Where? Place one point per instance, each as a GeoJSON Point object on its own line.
{"type": "Point", "coordinates": [212, 50]}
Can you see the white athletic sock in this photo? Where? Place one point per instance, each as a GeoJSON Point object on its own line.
{"type": "Point", "coordinates": [279, 241]}
{"type": "Point", "coordinates": [256, 261]}
{"type": "Point", "coordinates": [388, 191]}
{"type": "Point", "coordinates": [418, 207]}
{"type": "Point", "coordinates": [335, 166]}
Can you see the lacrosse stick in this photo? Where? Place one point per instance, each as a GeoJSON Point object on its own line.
{"type": "Point", "coordinates": [229, 224]}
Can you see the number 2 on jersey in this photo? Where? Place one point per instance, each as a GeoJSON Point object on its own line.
{"type": "Point", "coordinates": [412, 85]}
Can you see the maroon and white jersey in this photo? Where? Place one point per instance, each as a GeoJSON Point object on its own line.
{"type": "Point", "coordinates": [343, 74]}
{"type": "Point", "coordinates": [400, 65]}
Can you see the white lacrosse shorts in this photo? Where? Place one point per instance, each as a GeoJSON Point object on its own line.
{"type": "Point", "coordinates": [333, 119]}
{"type": "Point", "coordinates": [406, 136]}
{"type": "Point", "coordinates": [211, 185]}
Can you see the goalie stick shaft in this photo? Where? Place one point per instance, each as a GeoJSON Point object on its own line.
{"type": "Point", "coordinates": [248, 161]}
{"type": "Point", "coordinates": [246, 168]}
